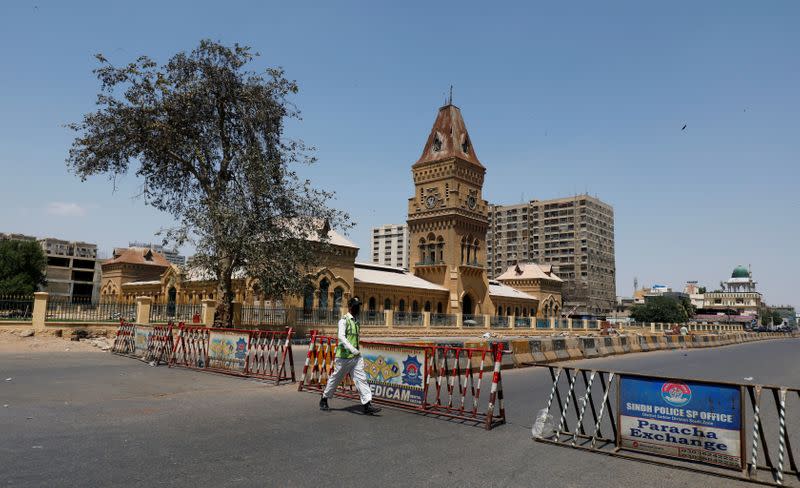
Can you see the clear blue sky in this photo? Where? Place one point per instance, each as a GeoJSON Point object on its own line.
{"type": "Point", "coordinates": [559, 98]}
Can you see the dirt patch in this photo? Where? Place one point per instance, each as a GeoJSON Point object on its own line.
{"type": "Point", "coordinates": [14, 342]}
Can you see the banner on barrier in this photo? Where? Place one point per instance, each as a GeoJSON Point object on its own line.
{"type": "Point", "coordinates": [227, 350]}
{"type": "Point", "coordinates": [141, 333]}
{"type": "Point", "coordinates": [396, 373]}
{"type": "Point", "coordinates": [690, 420]}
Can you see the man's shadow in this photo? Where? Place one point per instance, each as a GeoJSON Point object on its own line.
{"type": "Point", "coordinates": [356, 409]}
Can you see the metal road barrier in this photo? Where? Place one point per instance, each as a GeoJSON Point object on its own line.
{"type": "Point", "coordinates": [251, 353]}
{"type": "Point", "coordinates": [433, 379]}
{"type": "Point", "coordinates": [735, 430]}
{"type": "Point", "coordinates": [152, 344]}
{"type": "Point", "coordinates": [124, 342]}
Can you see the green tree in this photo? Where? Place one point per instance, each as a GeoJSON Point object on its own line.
{"type": "Point", "coordinates": [206, 134]}
{"type": "Point", "coordinates": [686, 303]}
{"type": "Point", "coordinates": [22, 267]}
{"type": "Point", "coordinates": [660, 309]}
{"type": "Point", "coordinates": [701, 290]}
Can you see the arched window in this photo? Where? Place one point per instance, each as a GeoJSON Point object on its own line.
{"type": "Point", "coordinates": [525, 312]}
{"type": "Point", "coordinates": [371, 305]}
{"type": "Point", "coordinates": [516, 311]}
{"type": "Point", "coordinates": [401, 305]}
{"type": "Point", "coordinates": [555, 311]}
{"type": "Point", "coordinates": [427, 306]}
{"type": "Point", "coordinates": [499, 310]}
{"type": "Point", "coordinates": [439, 307]}
{"type": "Point", "coordinates": [387, 304]}
{"type": "Point", "coordinates": [440, 248]}
{"type": "Point", "coordinates": [422, 250]}
{"type": "Point", "coordinates": [308, 298]}
{"type": "Point", "coordinates": [338, 293]}
{"type": "Point", "coordinates": [508, 310]}
{"type": "Point", "coordinates": [323, 293]}
{"type": "Point", "coordinates": [415, 306]}
{"type": "Point", "coordinates": [475, 252]}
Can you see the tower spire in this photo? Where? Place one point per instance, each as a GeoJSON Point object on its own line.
{"type": "Point", "coordinates": [450, 102]}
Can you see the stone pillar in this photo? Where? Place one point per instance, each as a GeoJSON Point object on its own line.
{"type": "Point", "coordinates": [552, 323]}
{"type": "Point", "coordinates": [586, 324]}
{"type": "Point", "coordinates": [512, 321]}
{"type": "Point", "coordinates": [569, 324]}
{"type": "Point", "coordinates": [39, 309]}
{"type": "Point", "coordinates": [487, 322]}
{"type": "Point", "coordinates": [426, 320]}
{"type": "Point", "coordinates": [652, 327]}
{"type": "Point", "coordinates": [237, 314]}
{"type": "Point", "coordinates": [209, 308]}
{"type": "Point", "coordinates": [143, 305]}
{"type": "Point", "coordinates": [388, 318]}
{"type": "Point", "coordinates": [459, 321]}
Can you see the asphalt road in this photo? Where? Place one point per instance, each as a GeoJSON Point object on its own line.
{"type": "Point", "coordinates": [95, 419]}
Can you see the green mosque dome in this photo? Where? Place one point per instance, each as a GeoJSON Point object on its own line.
{"type": "Point", "coordinates": [740, 272]}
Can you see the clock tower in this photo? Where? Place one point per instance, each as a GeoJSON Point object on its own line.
{"type": "Point", "coordinates": [447, 216]}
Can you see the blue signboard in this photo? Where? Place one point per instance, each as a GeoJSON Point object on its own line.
{"type": "Point", "coordinates": [690, 420]}
{"type": "Point", "coordinates": [396, 373]}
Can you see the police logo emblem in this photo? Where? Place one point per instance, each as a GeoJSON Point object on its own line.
{"type": "Point", "coordinates": [411, 371]}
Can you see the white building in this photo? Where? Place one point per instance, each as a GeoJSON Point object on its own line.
{"type": "Point", "coordinates": [390, 245]}
{"type": "Point", "coordinates": [738, 293]}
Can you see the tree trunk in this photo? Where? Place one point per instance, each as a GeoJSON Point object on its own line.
{"type": "Point", "coordinates": [225, 292]}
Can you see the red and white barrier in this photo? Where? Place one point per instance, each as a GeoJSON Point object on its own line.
{"type": "Point", "coordinates": [447, 382]}
{"type": "Point", "coordinates": [144, 342]}
{"type": "Point", "coordinates": [252, 353]}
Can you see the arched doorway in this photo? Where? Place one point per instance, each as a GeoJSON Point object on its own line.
{"type": "Point", "coordinates": [467, 307]}
{"type": "Point", "coordinates": [172, 296]}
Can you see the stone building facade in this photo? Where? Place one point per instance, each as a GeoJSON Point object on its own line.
{"type": "Point", "coordinates": [447, 224]}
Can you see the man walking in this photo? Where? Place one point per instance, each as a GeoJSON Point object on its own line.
{"type": "Point", "coordinates": [348, 360]}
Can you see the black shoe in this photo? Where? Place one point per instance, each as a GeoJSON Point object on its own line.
{"type": "Point", "coordinates": [323, 404]}
{"type": "Point", "coordinates": [370, 410]}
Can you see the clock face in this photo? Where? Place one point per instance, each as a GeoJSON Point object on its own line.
{"type": "Point", "coordinates": [471, 202]}
{"type": "Point", "coordinates": [430, 202]}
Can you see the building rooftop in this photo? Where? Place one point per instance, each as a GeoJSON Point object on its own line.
{"type": "Point", "coordinates": [377, 274]}
{"type": "Point", "coordinates": [143, 283]}
{"type": "Point", "coordinates": [138, 255]}
{"type": "Point", "coordinates": [525, 271]}
{"type": "Point", "coordinates": [449, 138]}
{"type": "Point", "coordinates": [497, 289]}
